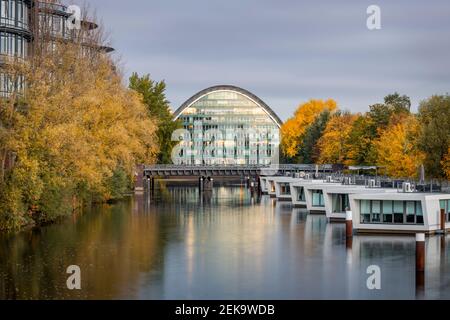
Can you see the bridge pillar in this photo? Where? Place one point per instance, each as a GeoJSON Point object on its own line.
{"type": "Point", "coordinates": [139, 178]}
{"type": "Point", "coordinates": [200, 183]}
{"type": "Point", "coordinates": [153, 185]}
{"type": "Point", "coordinates": [208, 184]}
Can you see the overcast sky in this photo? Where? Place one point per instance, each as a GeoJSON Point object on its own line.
{"type": "Point", "coordinates": [285, 52]}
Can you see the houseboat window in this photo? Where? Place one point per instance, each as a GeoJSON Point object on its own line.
{"type": "Point", "coordinates": [387, 211]}
{"type": "Point", "coordinates": [398, 212]}
{"type": "Point", "coordinates": [272, 186]}
{"type": "Point", "coordinates": [317, 198]}
{"type": "Point", "coordinates": [301, 194]}
{"type": "Point", "coordinates": [285, 189]}
{"type": "Point", "coordinates": [445, 204]}
{"type": "Point", "coordinates": [340, 203]}
{"type": "Point", "coordinates": [419, 213]}
{"type": "Point", "coordinates": [448, 210]}
{"type": "Point", "coordinates": [365, 211]}
{"type": "Point", "coordinates": [410, 212]}
{"type": "Point", "coordinates": [376, 211]}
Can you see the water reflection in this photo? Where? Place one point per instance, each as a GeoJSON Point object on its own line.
{"type": "Point", "coordinates": [225, 244]}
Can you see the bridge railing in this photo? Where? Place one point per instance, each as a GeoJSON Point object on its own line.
{"type": "Point", "coordinates": [306, 167]}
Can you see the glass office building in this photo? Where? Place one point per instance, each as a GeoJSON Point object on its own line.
{"type": "Point", "coordinates": [227, 125]}
{"type": "Point", "coordinates": [15, 36]}
{"type": "Point", "coordinates": [27, 24]}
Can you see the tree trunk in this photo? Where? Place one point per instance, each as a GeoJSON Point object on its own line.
{"type": "Point", "coordinates": [2, 165]}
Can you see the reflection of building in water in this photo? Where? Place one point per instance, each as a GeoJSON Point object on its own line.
{"type": "Point", "coordinates": [228, 125]}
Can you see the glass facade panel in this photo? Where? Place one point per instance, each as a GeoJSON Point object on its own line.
{"type": "Point", "coordinates": [227, 127]}
{"type": "Point", "coordinates": [13, 45]}
{"type": "Point", "coordinates": [14, 14]}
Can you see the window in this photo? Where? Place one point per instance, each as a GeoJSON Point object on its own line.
{"type": "Point", "coordinates": [376, 211]}
{"type": "Point", "coordinates": [398, 212]}
{"type": "Point", "coordinates": [387, 211]}
{"type": "Point", "coordinates": [285, 189]}
{"type": "Point", "coordinates": [317, 198]}
{"type": "Point", "coordinates": [410, 212]}
{"type": "Point", "coordinates": [445, 204]}
{"type": "Point", "coordinates": [340, 203]}
{"type": "Point", "coordinates": [301, 194]}
{"type": "Point", "coordinates": [419, 213]}
{"type": "Point", "coordinates": [13, 45]}
{"type": "Point", "coordinates": [365, 211]}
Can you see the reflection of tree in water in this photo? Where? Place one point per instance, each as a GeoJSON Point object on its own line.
{"type": "Point", "coordinates": [117, 247]}
{"type": "Point", "coordinates": [112, 246]}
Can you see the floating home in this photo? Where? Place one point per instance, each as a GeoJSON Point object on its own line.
{"type": "Point", "coordinates": [278, 187]}
{"type": "Point", "coordinates": [298, 191]}
{"type": "Point", "coordinates": [400, 212]}
{"type": "Point", "coordinates": [283, 188]}
{"type": "Point", "coordinates": [264, 185]}
{"type": "Point", "coordinates": [337, 198]}
{"type": "Point", "coordinates": [315, 195]}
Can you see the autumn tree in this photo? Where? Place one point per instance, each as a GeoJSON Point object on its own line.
{"type": "Point", "coordinates": [397, 148]}
{"type": "Point", "coordinates": [76, 134]}
{"type": "Point", "coordinates": [368, 128]}
{"type": "Point", "coordinates": [334, 143]}
{"type": "Point", "coordinates": [434, 141]}
{"type": "Point", "coordinates": [294, 129]}
{"type": "Point", "coordinates": [446, 164]}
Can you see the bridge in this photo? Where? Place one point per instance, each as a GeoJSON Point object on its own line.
{"type": "Point", "coordinates": [167, 171]}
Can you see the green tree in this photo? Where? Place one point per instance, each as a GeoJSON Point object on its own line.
{"type": "Point", "coordinates": [398, 103]}
{"type": "Point", "coordinates": [154, 97]}
{"type": "Point", "coordinates": [434, 115]}
{"type": "Point", "coordinates": [310, 152]}
{"type": "Point", "coordinates": [368, 128]}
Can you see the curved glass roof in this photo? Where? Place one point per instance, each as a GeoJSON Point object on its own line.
{"type": "Point", "coordinates": [228, 100]}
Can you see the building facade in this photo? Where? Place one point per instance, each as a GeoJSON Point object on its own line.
{"type": "Point", "coordinates": [26, 25]}
{"type": "Point", "coordinates": [227, 125]}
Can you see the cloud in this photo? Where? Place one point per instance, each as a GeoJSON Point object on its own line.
{"type": "Point", "coordinates": [285, 51]}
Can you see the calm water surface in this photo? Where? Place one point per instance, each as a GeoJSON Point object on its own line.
{"type": "Point", "coordinates": [222, 245]}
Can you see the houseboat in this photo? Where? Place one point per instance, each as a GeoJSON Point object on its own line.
{"type": "Point", "coordinates": [314, 195]}
{"type": "Point", "coordinates": [400, 212]}
{"type": "Point", "coordinates": [283, 188]}
{"type": "Point", "coordinates": [298, 195]}
{"type": "Point", "coordinates": [264, 185]}
{"type": "Point", "coordinates": [337, 202]}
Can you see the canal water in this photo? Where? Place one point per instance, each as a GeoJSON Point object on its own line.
{"type": "Point", "coordinates": [225, 244]}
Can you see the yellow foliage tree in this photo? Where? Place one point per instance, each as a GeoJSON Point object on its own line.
{"type": "Point", "coordinates": [293, 129]}
{"type": "Point", "coordinates": [446, 164]}
{"type": "Point", "coordinates": [333, 145]}
{"type": "Point", "coordinates": [397, 148]}
{"type": "Point", "coordinates": [77, 136]}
